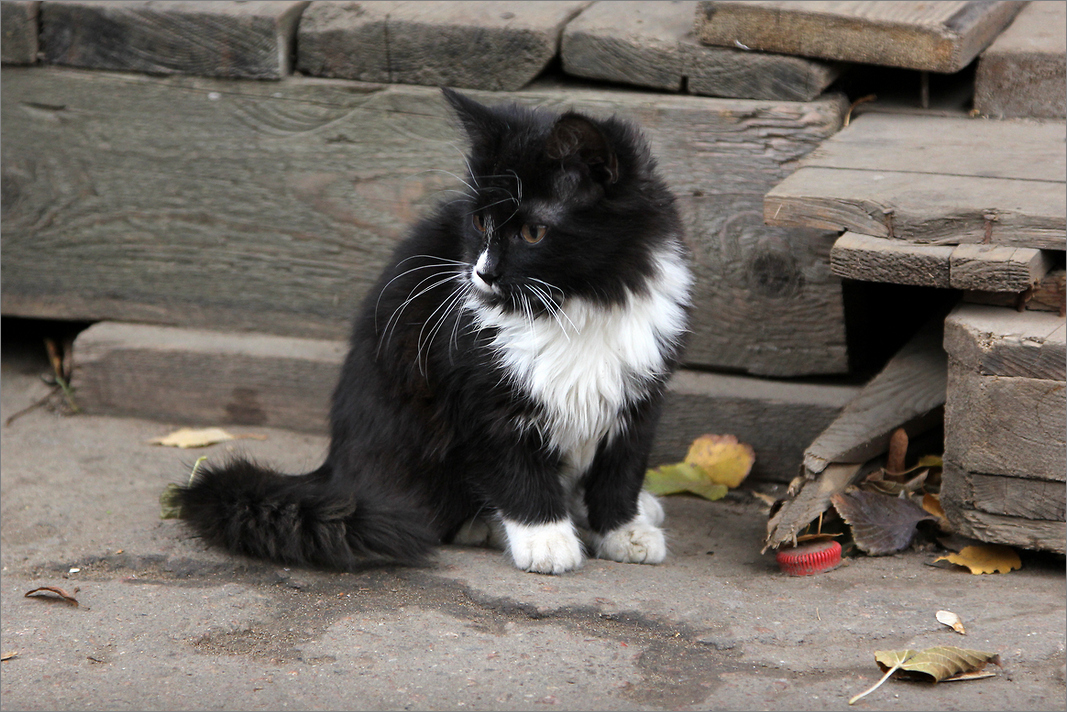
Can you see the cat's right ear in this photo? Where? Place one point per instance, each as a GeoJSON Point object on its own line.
{"type": "Point", "coordinates": [477, 119]}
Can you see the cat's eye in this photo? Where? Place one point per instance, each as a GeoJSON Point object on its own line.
{"type": "Point", "coordinates": [533, 233]}
{"type": "Point", "coordinates": [478, 223]}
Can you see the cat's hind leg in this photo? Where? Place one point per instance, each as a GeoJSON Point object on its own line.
{"type": "Point", "coordinates": [482, 530]}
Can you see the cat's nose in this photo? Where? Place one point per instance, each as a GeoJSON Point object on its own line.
{"type": "Point", "coordinates": [488, 276]}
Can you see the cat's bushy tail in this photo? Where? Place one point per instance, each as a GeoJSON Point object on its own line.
{"type": "Point", "coordinates": [303, 520]}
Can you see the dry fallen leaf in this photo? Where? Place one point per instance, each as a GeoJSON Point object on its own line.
{"type": "Point", "coordinates": [939, 664]}
{"type": "Point", "coordinates": [202, 437]}
{"type": "Point", "coordinates": [985, 559]}
{"type": "Point", "coordinates": [9, 656]}
{"type": "Point", "coordinates": [63, 595]}
{"type": "Point", "coordinates": [683, 477]}
{"type": "Point", "coordinates": [932, 504]}
{"type": "Point", "coordinates": [880, 524]}
{"type": "Point", "coordinates": [725, 460]}
{"type": "Point", "coordinates": [951, 620]}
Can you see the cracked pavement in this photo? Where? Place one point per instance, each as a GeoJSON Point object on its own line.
{"type": "Point", "coordinates": [165, 623]}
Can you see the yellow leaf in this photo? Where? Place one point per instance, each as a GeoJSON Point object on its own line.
{"type": "Point", "coordinates": [932, 504]}
{"type": "Point", "coordinates": [985, 559]}
{"type": "Point", "coordinates": [191, 437]}
{"type": "Point", "coordinates": [722, 457]}
{"type": "Point", "coordinates": [683, 477]}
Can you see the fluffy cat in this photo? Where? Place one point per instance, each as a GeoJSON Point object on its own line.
{"type": "Point", "coordinates": [505, 375]}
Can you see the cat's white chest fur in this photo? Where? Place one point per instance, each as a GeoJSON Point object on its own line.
{"type": "Point", "coordinates": [586, 365]}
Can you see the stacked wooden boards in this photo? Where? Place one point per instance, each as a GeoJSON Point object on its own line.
{"type": "Point", "coordinates": [1005, 426]}
{"type": "Point", "coordinates": [958, 203]}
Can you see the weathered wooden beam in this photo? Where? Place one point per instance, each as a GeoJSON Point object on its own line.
{"type": "Point", "coordinates": [489, 45]}
{"type": "Point", "coordinates": [991, 268]}
{"type": "Point", "coordinates": [19, 27]}
{"type": "Point", "coordinates": [652, 44]}
{"type": "Point", "coordinates": [1050, 294]}
{"type": "Point", "coordinates": [992, 341]}
{"type": "Point", "coordinates": [1023, 74]}
{"type": "Point", "coordinates": [937, 37]}
{"type": "Point", "coordinates": [272, 207]}
{"type": "Point", "coordinates": [1000, 494]}
{"type": "Point", "coordinates": [908, 392]}
{"type": "Point", "coordinates": [200, 377]}
{"type": "Point", "coordinates": [217, 39]}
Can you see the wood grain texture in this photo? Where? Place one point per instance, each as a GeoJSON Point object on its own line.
{"type": "Point", "coordinates": [492, 45]}
{"type": "Point", "coordinates": [938, 37]}
{"type": "Point", "coordinates": [907, 392]}
{"type": "Point", "coordinates": [1050, 294]}
{"type": "Point", "coordinates": [1000, 494]}
{"type": "Point", "coordinates": [994, 341]}
{"type": "Point", "coordinates": [218, 39]}
{"type": "Point", "coordinates": [933, 180]}
{"type": "Point", "coordinates": [989, 268]}
{"type": "Point", "coordinates": [19, 28]}
{"type": "Point", "coordinates": [652, 44]}
{"type": "Point", "coordinates": [1024, 72]}
{"type": "Point", "coordinates": [1006, 425]}
{"type": "Point", "coordinates": [273, 207]}
{"type": "Point", "coordinates": [203, 377]}
{"type": "Point", "coordinates": [877, 259]}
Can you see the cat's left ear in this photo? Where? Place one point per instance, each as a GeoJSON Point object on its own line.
{"type": "Point", "coordinates": [575, 136]}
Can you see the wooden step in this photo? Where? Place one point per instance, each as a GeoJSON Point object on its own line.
{"type": "Point", "coordinates": [218, 39]}
{"type": "Point", "coordinates": [19, 27]}
{"type": "Point", "coordinates": [988, 268]}
{"type": "Point", "coordinates": [652, 44]}
{"type": "Point", "coordinates": [1023, 74]}
{"type": "Point", "coordinates": [489, 45]}
{"type": "Point", "coordinates": [273, 206]}
{"type": "Point", "coordinates": [937, 37]}
{"type": "Point", "coordinates": [933, 180]}
{"type": "Point", "coordinates": [194, 377]}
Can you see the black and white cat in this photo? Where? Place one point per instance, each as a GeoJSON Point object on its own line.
{"type": "Point", "coordinates": [505, 375]}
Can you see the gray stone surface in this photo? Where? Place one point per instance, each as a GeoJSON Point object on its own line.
{"type": "Point", "coordinates": [492, 45]}
{"type": "Point", "coordinates": [1022, 74]}
{"type": "Point", "coordinates": [165, 623]}
{"type": "Point", "coordinates": [653, 44]}
{"type": "Point", "coordinates": [18, 25]}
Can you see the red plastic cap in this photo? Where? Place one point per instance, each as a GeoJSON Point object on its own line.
{"type": "Point", "coordinates": [810, 558]}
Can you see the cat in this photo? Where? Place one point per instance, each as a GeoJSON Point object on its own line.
{"type": "Point", "coordinates": [505, 375]}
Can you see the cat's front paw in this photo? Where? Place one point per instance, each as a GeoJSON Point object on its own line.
{"type": "Point", "coordinates": [544, 548]}
{"type": "Point", "coordinates": [635, 543]}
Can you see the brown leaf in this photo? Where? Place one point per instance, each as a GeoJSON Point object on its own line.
{"type": "Point", "coordinates": [942, 663]}
{"type": "Point", "coordinates": [898, 448]}
{"type": "Point", "coordinates": [63, 595]}
{"type": "Point", "coordinates": [986, 559]}
{"type": "Point", "coordinates": [880, 524]}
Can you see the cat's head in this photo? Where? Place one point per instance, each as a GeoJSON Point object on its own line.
{"type": "Point", "coordinates": [559, 205]}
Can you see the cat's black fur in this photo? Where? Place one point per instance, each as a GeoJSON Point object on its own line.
{"type": "Point", "coordinates": [429, 426]}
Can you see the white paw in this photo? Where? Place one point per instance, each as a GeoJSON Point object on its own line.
{"type": "Point", "coordinates": [649, 509]}
{"type": "Point", "coordinates": [635, 543]}
{"type": "Point", "coordinates": [481, 531]}
{"type": "Point", "coordinates": [544, 548]}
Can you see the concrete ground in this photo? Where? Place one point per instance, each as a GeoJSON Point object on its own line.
{"type": "Point", "coordinates": [166, 624]}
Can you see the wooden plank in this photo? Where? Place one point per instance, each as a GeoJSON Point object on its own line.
{"type": "Point", "coordinates": [938, 145]}
{"type": "Point", "coordinates": [430, 42]}
{"type": "Point", "coordinates": [993, 341]}
{"type": "Point", "coordinates": [993, 268]}
{"type": "Point", "coordinates": [18, 25]}
{"type": "Point", "coordinates": [1023, 72]}
{"type": "Point", "coordinates": [1050, 294]}
{"type": "Point", "coordinates": [777, 418]}
{"type": "Point", "coordinates": [907, 392]}
{"type": "Point", "coordinates": [273, 207]}
{"type": "Point", "coordinates": [1022, 531]}
{"type": "Point", "coordinates": [652, 44]}
{"type": "Point", "coordinates": [924, 209]}
{"type": "Point", "coordinates": [1006, 425]}
{"type": "Point", "coordinates": [197, 377]}
{"type": "Point", "coordinates": [877, 259]}
{"type": "Point", "coordinates": [937, 37]}
{"type": "Point", "coordinates": [999, 494]}
{"type": "Point", "coordinates": [201, 377]}
{"type": "Point", "coordinates": [986, 267]}
{"type": "Point", "coordinates": [217, 39]}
